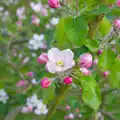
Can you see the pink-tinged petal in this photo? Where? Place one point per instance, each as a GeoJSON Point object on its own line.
{"type": "Point", "coordinates": [54, 55]}
{"type": "Point", "coordinates": [51, 67]}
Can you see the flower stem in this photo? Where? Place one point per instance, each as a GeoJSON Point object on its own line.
{"type": "Point", "coordinates": [77, 7]}
{"type": "Point", "coordinates": [63, 90]}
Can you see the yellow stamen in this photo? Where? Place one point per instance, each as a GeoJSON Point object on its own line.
{"type": "Point", "coordinates": [59, 63]}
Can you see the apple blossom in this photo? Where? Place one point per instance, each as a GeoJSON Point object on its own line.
{"type": "Point", "coordinates": [54, 3]}
{"type": "Point", "coordinates": [67, 107]}
{"type": "Point", "coordinates": [21, 83]}
{"type": "Point", "coordinates": [54, 21]}
{"type": "Point", "coordinates": [3, 96]}
{"type": "Point", "coordinates": [35, 20]}
{"type": "Point", "coordinates": [37, 42]}
{"type": "Point", "coordinates": [117, 23]}
{"type": "Point", "coordinates": [19, 23]}
{"type": "Point", "coordinates": [100, 51]}
{"type": "Point", "coordinates": [95, 62]}
{"type": "Point", "coordinates": [34, 82]}
{"type": "Point", "coordinates": [45, 83]}
{"type": "Point", "coordinates": [43, 58]}
{"type": "Point", "coordinates": [71, 116]}
{"type": "Point", "coordinates": [20, 13]}
{"type": "Point", "coordinates": [67, 80]}
{"type": "Point", "coordinates": [60, 61]}
{"type": "Point", "coordinates": [106, 73]}
{"type": "Point", "coordinates": [86, 60]}
{"type": "Point", "coordinates": [30, 74]}
{"type": "Point", "coordinates": [85, 71]}
{"type": "Point", "coordinates": [36, 6]}
{"type": "Point", "coordinates": [118, 3]}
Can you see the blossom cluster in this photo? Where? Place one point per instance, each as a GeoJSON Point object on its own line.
{"type": "Point", "coordinates": [35, 105]}
{"type": "Point", "coordinates": [3, 96]}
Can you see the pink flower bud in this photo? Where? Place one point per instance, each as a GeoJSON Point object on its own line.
{"type": "Point", "coordinates": [86, 60]}
{"type": "Point", "coordinates": [30, 74]}
{"type": "Point", "coordinates": [77, 110]}
{"type": "Point", "coordinates": [19, 23]}
{"type": "Point", "coordinates": [100, 51]}
{"type": "Point", "coordinates": [71, 116]}
{"type": "Point", "coordinates": [106, 73]}
{"type": "Point", "coordinates": [118, 3]}
{"type": "Point", "coordinates": [30, 108]}
{"type": "Point", "coordinates": [67, 107]}
{"type": "Point", "coordinates": [95, 62]}
{"type": "Point", "coordinates": [117, 23]}
{"type": "Point", "coordinates": [43, 58]}
{"type": "Point", "coordinates": [22, 83]}
{"type": "Point", "coordinates": [66, 117]}
{"type": "Point", "coordinates": [67, 80]}
{"type": "Point", "coordinates": [45, 83]}
{"type": "Point", "coordinates": [85, 71]}
{"type": "Point", "coordinates": [54, 3]}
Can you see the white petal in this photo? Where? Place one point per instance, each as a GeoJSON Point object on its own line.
{"type": "Point", "coordinates": [54, 55]}
{"type": "Point", "coordinates": [67, 57]}
{"type": "Point", "coordinates": [37, 111]}
{"type": "Point", "coordinates": [51, 67]}
{"type": "Point", "coordinates": [35, 36]}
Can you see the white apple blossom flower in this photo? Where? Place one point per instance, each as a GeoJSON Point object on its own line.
{"type": "Point", "coordinates": [60, 61]}
{"type": "Point", "coordinates": [36, 6]}
{"type": "Point", "coordinates": [34, 82]}
{"type": "Point", "coordinates": [1, 8]}
{"type": "Point", "coordinates": [35, 105]}
{"type": "Point", "coordinates": [33, 101]}
{"type": "Point", "coordinates": [37, 42]}
{"type": "Point", "coordinates": [54, 21]}
{"type": "Point", "coordinates": [3, 96]}
{"type": "Point", "coordinates": [41, 109]}
{"type": "Point", "coordinates": [21, 13]}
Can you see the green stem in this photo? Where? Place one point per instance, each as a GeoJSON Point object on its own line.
{"type": "Point", "coordinates": [95, 116]}
{"type": "Point", "coordinates": [77, 7]}
{"type": "Point", "coordinates": [63, 90]}
{"type": "Point", "coordinates": [93, 26]}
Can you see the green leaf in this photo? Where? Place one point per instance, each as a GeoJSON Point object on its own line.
{"type": "Point", "coordinates": [105, 27]}
{"type": "Point", "coordinates": [91, 92]}
{"type": "Point", "coordinates": [111, 1]}
{"type": "Point", "coordinates": [100, 10]}
{"type": "Point", "coordinates": [106, 59]}
{"type": "Point", "coordinates": [71, 32]}
{"type": "Point", "coordinates": [92, 45]}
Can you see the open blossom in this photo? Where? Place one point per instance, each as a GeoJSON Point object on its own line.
{"type": "Point", "coordinates": [67, 80]}
{"type": "Point", "coordinates": [21, 13]}
{"type": "Point", "coordinates": [118, 3]}
{"type": "Point", "coordinates": [43, 58]}
{"type": "Point", "coordinates": [85, 71]}
{"type": "Point", "coordinates": [86, 60]}
{"type": "Point", "coordinates": [36, 6]}
{"type": "Point", "coordinates": [35, 20]}
{"type": "Point", "coordinates": [45, 83]}
{"type": "Point", "coordinates": [44, 12]}
{"type": "Point", "coordinates": [54, 21]}
{"type": "Point", "coordinates": [59, 61]}
{"type": "Point", "coordinates": [21, 83]}
{"type": "Point", "coordinates": [35, 105]}
{"type": "Point", "coordinates": [117, 23]}
{"type": "Point", "coordinates": [71, 116]}
{"type": "Point", "coordinates": [3, 96]}
{"type": "Point", "coordinates": [37, 42]}
{"type": "Point", "coordinates": [41, 109]}
{"type": "Point", "coordinates": [54, 3]}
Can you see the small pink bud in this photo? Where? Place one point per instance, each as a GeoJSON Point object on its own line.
{"type": "Point", "coordinates": [30, 74]}
{"type": "Point", "coordinates": [45, 83]}
{"type": "Point", "coordinates": [118, 3]}
{"type": "Point", "coordinates": [77, 110]}
{"type": "Point", "coordinates": [67, 107]}
{"type": "Point", "coordinates": [110, 5]}
{"type": "Point", "coordinates": [54, 3]}
{"type": "Point", "coordinates": [43, 58]}
{"type": "Point", "coordinates": [95, 62]}
{"type": "Point", "coordinates": [86, 60]}
{"type": "Point", "coordinates": [100, 51]}
{"type": "Point", "coordinates": [106, 73]}
{"type": "Point", "coordinates": [66, 117]}
{"type": "Point", "coordinates": [30, 108]}
{"type": "Point", "coordinates": [85, 71]}
{"type": "Point", "coordinates": [19, 23]}
{"type": "Point", "coordinates": [71, 116]}
{"type": "Point", "coordinates": [67, 80]}
{"type": "Point", "coordinates": [117, 23]}
{"type": "Point", "coordinates": [21, 83]}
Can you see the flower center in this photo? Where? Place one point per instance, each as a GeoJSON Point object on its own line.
{"type": "Point", "coordinates": [59, 63]}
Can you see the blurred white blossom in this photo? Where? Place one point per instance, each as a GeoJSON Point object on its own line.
{"type": "Point", "coordinates": [37, 42]}
{"type": "Point", "coordinates": [54, 21]}
{"type": "Point", "coordinates": [3, 96]}
{"type": "Point", "coordinates": [21, 13]}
